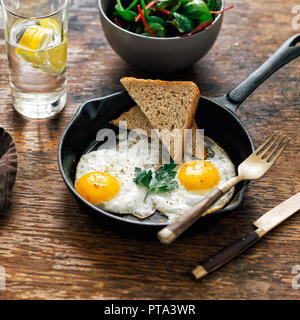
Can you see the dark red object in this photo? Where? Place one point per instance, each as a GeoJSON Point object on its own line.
{"type": "Point", "coordinates": [8, 168]}
{"type": "Point", "coordinates": [117, 22]}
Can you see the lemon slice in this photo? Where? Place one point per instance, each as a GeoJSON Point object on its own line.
{"type": "Point", "coordinates": [32, 40]}
{"type": "Point", "coordinates": [50, 23]}
{"type": "Point", "coordinates": [58, 57]}
{"type": "Point", "coordinates": [32, 46]}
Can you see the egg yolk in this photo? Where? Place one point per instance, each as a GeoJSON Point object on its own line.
{"type": "Point", "coordinates": [97, 187]}
{"type": "Point", "coordinates": [198, 175]}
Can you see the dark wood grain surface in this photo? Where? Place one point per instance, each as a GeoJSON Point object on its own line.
{"type": "Point", "coordinates": [52, 249]}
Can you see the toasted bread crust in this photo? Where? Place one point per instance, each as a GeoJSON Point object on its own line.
{"type": "Point", "coordinates": [127, 82]}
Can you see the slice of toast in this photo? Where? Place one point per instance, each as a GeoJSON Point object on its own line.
{"type": "Point", "coordinates": [136, 119]}
{"type": "Point", "coordinates": [167, 105]}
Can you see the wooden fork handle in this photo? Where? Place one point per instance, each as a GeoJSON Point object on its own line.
{"type": "Point", "coordinates": [225, 255]}
{"type": "Point", "coordinates": [168, 234]}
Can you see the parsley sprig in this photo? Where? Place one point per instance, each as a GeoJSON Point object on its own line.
{"type": "Point", "coordinates": [163, 180]}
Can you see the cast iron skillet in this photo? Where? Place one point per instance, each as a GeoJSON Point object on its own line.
{"type": "Point", "coordinates": [216, 116]}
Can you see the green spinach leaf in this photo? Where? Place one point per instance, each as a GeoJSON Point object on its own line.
{"type": "Point", "coordinates": [214, 5]}
{"type": "Point", "coordinates": [198, 10]}
{"type": "Point", "coordinates": [127, 15]}
{"type": "Point", "coordinates": [157, 29]}
{"type": "Point", "coordinates": [163, 4]}
{"type": "Point", "coordinates": [156, 19]}
{"type": "Point", "coordinates": [182, 23]}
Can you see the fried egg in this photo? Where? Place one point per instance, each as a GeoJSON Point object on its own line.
{"type": "Point", "coordinates": [196, 179]}
{"type": "Point", "coordinates": [105, 178]}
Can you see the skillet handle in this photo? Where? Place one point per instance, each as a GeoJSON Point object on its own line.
{"type": "Point", "coordinates": [286, 53]}
{"type": "Point", "coordinates": [168, 234]}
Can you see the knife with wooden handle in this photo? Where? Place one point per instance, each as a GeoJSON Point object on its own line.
{"type": "Point", "coordinates": [264, 224]}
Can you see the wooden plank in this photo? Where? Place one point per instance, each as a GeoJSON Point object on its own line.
{"type": "Point", "coordinates": [51, 248]}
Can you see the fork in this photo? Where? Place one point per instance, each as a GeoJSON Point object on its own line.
{"type": "Point", "coordinates": [253, 168]}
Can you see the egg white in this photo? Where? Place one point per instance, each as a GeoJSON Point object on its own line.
{"type": "Point", "coordinates": [130, 199]}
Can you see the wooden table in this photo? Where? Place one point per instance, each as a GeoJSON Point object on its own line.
{"type": "Point", "coordinates": [51, 248]}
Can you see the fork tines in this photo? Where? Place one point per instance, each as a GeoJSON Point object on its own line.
{"type": "Point", "coordinates": [273, 147]}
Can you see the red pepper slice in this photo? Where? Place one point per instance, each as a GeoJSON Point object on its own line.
{"type": "Point", "coordinates": [162, 10]}
{"type": "Point", "coordinates": [141, 12]}
{"type": "Point", "coordinates": [217, 12]}
{"type": "Point", "coordinates": [117, 22]}
{"type": "Point", "coordinates": [148, 6]}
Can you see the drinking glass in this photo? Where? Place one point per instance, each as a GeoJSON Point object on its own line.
{"type": "Point", "coordinates": [36, 34]}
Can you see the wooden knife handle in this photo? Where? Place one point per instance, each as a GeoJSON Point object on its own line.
{"type": "Point", "coordinates": [225, 255]}
{"type": "Point", "coordinates": [176, 228]}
